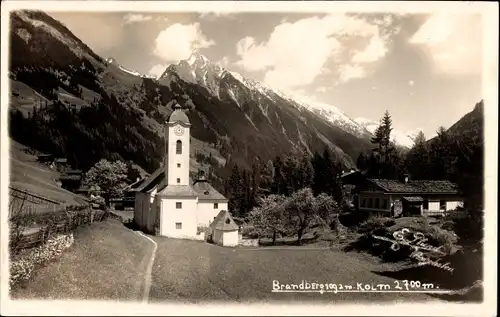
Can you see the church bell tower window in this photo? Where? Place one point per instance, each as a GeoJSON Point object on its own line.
{"type": "Point", "coordinates": [178, 147]}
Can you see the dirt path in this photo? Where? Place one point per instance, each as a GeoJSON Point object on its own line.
{"type": "Point", "coordinates": [149, 269]}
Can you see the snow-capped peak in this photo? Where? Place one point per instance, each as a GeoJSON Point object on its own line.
{"type": "Point", "coordinates": [198, 69]}
{"type": "Point", "coordinates": [333, 115]}
{"type": "Point", "coordinates": [197, 60]}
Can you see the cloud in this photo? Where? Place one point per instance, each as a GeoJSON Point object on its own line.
{"type": "Point", "coordinates": [411, 83]}
{"type": "Point", "coordinates": [349, 72]}
{"type": "Point", "coordinates": [136, 18]}
{"type": "Point", "coordinates": [224, 62]}
{"type": "Point", "coordinates": [452, 42]}
{"type": "Point", "coordinates": [375, 50]}
{"type": "Point", "coordinates": [296, 52]}
{"type": "Point", "coordinates": [321, 89]}
{"type": "Point", "coordinates": [177, 41]}
{"type": "Point", "coordinates": [157, 70]}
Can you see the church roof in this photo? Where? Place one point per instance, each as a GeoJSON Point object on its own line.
{"type": "Point", "coordinates": [224, 222]}
{"type": "Point", "coordinates": [178, 190]}
{"type": "Point", "coordinates": [201, 188]}
{"type": "Point", "coordinates": [206, 191]}
{"type": "Point", "coordinates": [178, 115]}
{"type": "Point", "coordinates": [153, 180]}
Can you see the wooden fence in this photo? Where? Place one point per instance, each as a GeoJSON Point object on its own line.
{"type": "Point", "coordinates": [46, 225]}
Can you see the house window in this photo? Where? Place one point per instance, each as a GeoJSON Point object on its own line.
{"type": "Point", "coordinates": [377, 203]}
{"type": "Point", "coordinates": [370, 202]}
{"type": "Point", "coordinates": [384, 203]}
{"type": "Point", "coordinates": [178, 164]}
{"type": "Point", "coordinates": [178, 147]}
{"type": "Point", "coordinates": [216, 205]}
{"type": "Point", "coordinates": [425, 204]}
{"type": "Point", "coordinates": [178, 205]}
{"type": "Point", "coordinates": [442, 205]}
{"type": "Point", "coordinates": [178, 225]}
{"type": "Point", "coordinates": [178, 181]}
{"type": "Point", "coordinates": [363, 202]}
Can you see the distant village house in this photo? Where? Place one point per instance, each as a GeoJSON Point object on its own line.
{"type": "Point", "coordinates": [404, 198]}
{"type": "Point", "coordinates": [71, 180]}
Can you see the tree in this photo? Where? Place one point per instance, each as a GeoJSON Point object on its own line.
{"type": "Point", "coordinates": [109, 176]}
{"type": "Point", "coordinates": [386, 128]}
{"type": "Point", "coordinates": [267, 175]}
{"type": "Point", "coordinates": [417, 159]}
{"type": "Point", "coordinates": [362, 161]}
{"type": "Point", "coordinates": [268, 217]}
{"type": "Point", "coordinates": [279, 182]}
{"type": "Point", "coordinates": [383, 161]}
{"type": "Point", "coordinates": [378, 135]}
{"type": "Point", "coordinates": [299, 213]}
{"type": "Point", "coordinates": [319, 181]}
{"type": "Point", "coordinates": [306, 171]}
{"type": "Point", "coordinates": [234, 190]}
{"type": "Point", "coordinates": [326, 208]}
{"type": "Point", "coordinates": [302, 210]}
{"type": "Point", "coordinates": [132, 173]}
{"type": "Point", "coordinates": [441, 155]}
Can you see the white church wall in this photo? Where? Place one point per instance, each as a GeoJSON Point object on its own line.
{"type": "Point", "coordinates": [230, 238]}
{"type": "Point", "coordinates": [142, 206]}
{"type": "Point", "coordinates": [153, 214]}
{"type": "Point", "coordinates": [217, 237]}
{"type": "Point", "coordinates": [149, 210]}
{"type": "Point", "coordinates": [175, 171]}
{"type": "Point", "coordinates": [186, 217]}
{"type": "Point", "coordinates": [207, 212]}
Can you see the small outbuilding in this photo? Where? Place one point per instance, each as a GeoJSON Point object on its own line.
{"type": "Point", "coordinates": [224, 230]}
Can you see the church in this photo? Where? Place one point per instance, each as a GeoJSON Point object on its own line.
{"type": "Point", "coordinates": [169, 203]}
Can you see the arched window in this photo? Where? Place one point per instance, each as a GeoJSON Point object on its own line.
{"type": "Point", "coordinates": [178, 147]}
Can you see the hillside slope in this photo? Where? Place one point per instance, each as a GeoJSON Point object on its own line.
{"type": "Point", "coordinates": [68, 101]}
{"type": "Point", "coordinates": [29, 175]}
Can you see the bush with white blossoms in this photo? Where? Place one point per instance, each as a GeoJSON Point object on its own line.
{"type": "Point", "coordinates": [25, 263]}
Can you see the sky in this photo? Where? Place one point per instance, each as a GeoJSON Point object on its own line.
{"type": "Point", "coordinates": [425, 69]}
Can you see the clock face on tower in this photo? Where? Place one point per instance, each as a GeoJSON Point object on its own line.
{"type": "Point", "coordinates": [178, 130]}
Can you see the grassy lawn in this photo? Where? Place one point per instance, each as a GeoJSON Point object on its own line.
{"type": "Point", "coordinates": [198, 272]}
{"type": "Point", "coordinates": [106, 261]}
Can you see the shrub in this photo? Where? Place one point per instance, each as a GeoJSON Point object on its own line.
{"type": "Point", "coordinates": [385, 227]}
{"type": "Point", "coordinates": [376, 223]}
{"type": "Point", "coordinates": [353, 219]}
{"type": "Point", "coordinates": [249, 231]}
{"type": "Point", "coordinates": [25, 263]}
{"type": "Point", "coordinates": [442, 237]}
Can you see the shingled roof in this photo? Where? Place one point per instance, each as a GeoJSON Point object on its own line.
{"type": "Point", "coordinates": [206, 191]}
{"type": "Point", "coordinates": [151, 181]}
{"type": "Point", "coordinates": [178, 190]}
{"type": "Point", "coordinates": [224, 222]}
{"type": "Point", "coordinates": [416, 187]}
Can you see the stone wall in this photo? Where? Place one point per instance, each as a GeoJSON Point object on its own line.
{"type": "Point", "coordinates": [249, 242]}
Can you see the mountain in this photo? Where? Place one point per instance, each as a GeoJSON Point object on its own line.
{"type": "Point", "coordinates": [404, 139]}
{"type": "Point", "coordinates": [470, 124]}
{"type": "Point", "coordinates": [67, 100]}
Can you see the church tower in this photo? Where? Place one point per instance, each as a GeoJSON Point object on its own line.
{"type": "Point", "coordinates": [177, 138]}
